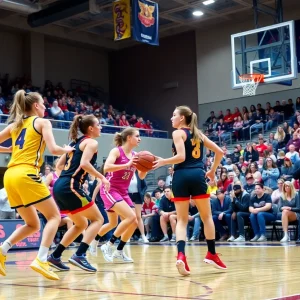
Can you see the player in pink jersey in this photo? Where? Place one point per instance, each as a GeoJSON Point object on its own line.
{"type": "Point", "coordinates": [119, 169]}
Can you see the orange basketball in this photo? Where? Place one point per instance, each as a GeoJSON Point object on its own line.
{"type": "Point", "coordinates": [145, 161]}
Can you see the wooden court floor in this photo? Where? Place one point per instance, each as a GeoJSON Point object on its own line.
{"type": "Point", "coordinates": [265, 271]}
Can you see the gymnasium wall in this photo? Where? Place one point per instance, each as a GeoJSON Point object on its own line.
{"type": "Point", "coordinates": [138, 75]}
{"type": "Point", "coordinates": [214, 70]}
{"type": "Point", "coordinates": [159, 147]}
{"type": "Point", "coordinates": [64, 62]}
{"type": "Point", "coordinates": [13, 59]}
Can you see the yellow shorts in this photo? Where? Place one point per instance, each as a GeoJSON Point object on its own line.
{"type": "Point", "coordinates": [24, 186]}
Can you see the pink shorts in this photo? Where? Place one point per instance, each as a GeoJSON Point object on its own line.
{"type": "Point", "coordinates": [112, 197]}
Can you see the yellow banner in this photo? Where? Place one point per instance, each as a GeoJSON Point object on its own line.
{"type": "Point", "coordinates": [121, 14]}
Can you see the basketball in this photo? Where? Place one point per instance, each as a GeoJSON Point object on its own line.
{"type": "Point", "coordinates": [145, 161]}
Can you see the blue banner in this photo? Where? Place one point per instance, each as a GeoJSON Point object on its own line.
{"type": "Point", "coordinates": [145, 21]}
{"type": "Point", "coordinates": [7, 227]}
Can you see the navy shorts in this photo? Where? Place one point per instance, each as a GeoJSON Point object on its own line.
{"type": "Point", "coordinates": [69, 197]}
{"type": "Point", "coordinates": [189, 183]}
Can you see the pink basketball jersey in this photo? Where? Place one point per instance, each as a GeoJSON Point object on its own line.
{"type": "Point", "coordinates": [120, 180]}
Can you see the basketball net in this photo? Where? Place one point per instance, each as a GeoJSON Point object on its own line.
{"type": "Point", "coordinates": [250, 83]}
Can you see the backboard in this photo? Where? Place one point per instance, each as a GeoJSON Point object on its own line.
{"type": "Point", "coordinates": [268, 50]}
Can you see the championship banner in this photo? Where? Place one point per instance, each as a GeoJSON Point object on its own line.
{"type": "Point", "coordinates": [7, 227]}
{"type": "Point", "coordinates": [121, 15]}
{"type": "Point", "coordinates": [145, 21]}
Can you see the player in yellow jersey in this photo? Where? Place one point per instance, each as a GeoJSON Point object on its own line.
{"type": "Point", "coordinates": [30, 134]}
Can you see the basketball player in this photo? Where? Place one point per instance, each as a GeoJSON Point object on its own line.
{"type": "Point", "coordinates": [30, 134]}
{"type": "Point", "coordinates": [119, 168]}
{"type": "Point", "coordinates": [70, 197]}
{"type": "Point", "coordinates": [189, 182]}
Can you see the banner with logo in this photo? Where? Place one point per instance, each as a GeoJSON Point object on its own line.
{"type": "Point", "coordinates": [7, 227]}
{"type": "Point", "coordinates": [145, 21]}
{"type": "Point", "coordinates": [121, 15]}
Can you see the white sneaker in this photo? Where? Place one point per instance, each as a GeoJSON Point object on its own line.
{"type": "Point", "coordinates": [262, 238]}
{"type": "Point", "coordinates": [107, 251]}
{"type": "Point", "coordinates": [255, 239]}
{"type": "Point", "coordinates": [148, 236]}
{"type": "Point", "coordinates": [120, 257]}
{"type": "Point", "coordinates": [240, 239]}
{"type": "Point", "coordinates": [285, 239]}
{"type": "Point", "coordinates": [145, 240]}
{"type": "Point", "coordinates": [173, 239]}
{"type": "Point", "coordinates": [93, 247]}
{"type": "Point", "coordinates": [231, 239]}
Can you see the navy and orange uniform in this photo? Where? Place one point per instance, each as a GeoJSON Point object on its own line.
{"type": "Point", "coordinates": [22, 182]}
{"type": "Point", "coordinates": [189, 176]}
{"type": "Point", "coordinates": [67, 190]}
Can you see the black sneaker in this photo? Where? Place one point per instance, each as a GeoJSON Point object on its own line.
{"type": "Point", "coordinates": [81, 262]}
{"type": "Point", "coordinates": [57, 263]}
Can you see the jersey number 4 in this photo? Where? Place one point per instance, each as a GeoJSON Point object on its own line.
{"type": "Point", "coordinates": [21, 139]}
{"type": "Point", "coordinates": [196, 150]}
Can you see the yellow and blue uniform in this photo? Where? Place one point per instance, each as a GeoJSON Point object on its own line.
{"type": "Point", "coordinates": [22, 182]}
{"type": "Point", "coordinates": [68, 192]}
{"type": "Point", "coordinates": [189, 176]}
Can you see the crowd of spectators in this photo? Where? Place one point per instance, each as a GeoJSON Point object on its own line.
{"type": "Point", "coordinates": [62, 105]}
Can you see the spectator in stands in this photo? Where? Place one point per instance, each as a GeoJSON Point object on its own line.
{"type": "Point", "coordinates": [261, 110]}
{"type": "Point", "coordinates": [223, 132]}
{"type": "Point", "coordinates": [261, 147]}
{"type": "Point", "coordinates": [195, 221]}
{"type": "Point", "coordinates": [292, 154]}
{"type": "Point", "coordinates": [245, 111]}
{"type": "Point", "coordinates": [109, 120]}
{"type": "Point", "coordinates": [252, 109]}
{"type": "Point", "coordinates": [287, 170]}
{"type": "Point", "coordinates": [139, 123]}
{"type": "Point", "coordinates": [288, 208]}
{"type": "Point", "coordinates": [117, 120]}
{"type": "Point", "coordinates": [275, 196]}
{"type": "Point", "coordinates": [167, 214]}
{"type": "Point", "coordinates": [221, 213]}
{"type": "Point", "coordinates": [239, 206]}
{"type": "Point", "coordinates": [250, 185]}
{"type": "Point", "coordinates": [229, 118]}
{"type": "Point", "coordinates": [212, 189]}
{"type": "Point", "coordinates": [133, 120]}
{"type": "Point", "coordinates": [236, 113]}
{"type": "Point", "coordinates": [294, 141]}
{"type": "Point", "coordinates": [149, 128]}
{"type": "Point", "coordinates": [48, 170]}
{"type": "Point", "coordinates": [148, 211]}
{"type": "Point", "coordinates": [237, 127]}
{"type": "Point", "coordinates": [169, 178]}
{"type": "Point", "coordinates": [123, 122]}
{"type": "Point", "coordinates": [210, 119]}
{"type": "Point", "coordinates": [81, 108]}
{"type": "Point", "coordinates": [261, 212]}
{"type": "Point", "coordinates": [224, 182]}
{"type": "Point", "coordinates": [56, 111]}
{"type": "Point", "coordinates": [298, 103]}
{"type": "Point", "coordinates": [2, 100]}
{"type": "Point", "coordinates": [157, 195]}
{"type": "Point", "coordinates": [229, 165]}
{"type": "Point", "coordinates": [251, 154]}
{"type": "Point", "coordinates": [258, 121]}
{"type": "Point", "coordinates": [280, 136]}
{"type": "Point", "coordinates": [272, 119]}
{"type": "Point", "coordinates": [246, 126]}
{"type": "Point", "coordinates": [270, 174]}
{"type": "Point", "coordinates": [272, 141]}
{"type": "Point", "coordinates": [5, 211]}
{"type": "Point", "coordinates": [220, 115]}
{"type": "Point", "coordinates": [160, 187]}
{"type": "Point", "coordinates": [278, 108]}
{"type": "Point", "coordinates": [100, 118]}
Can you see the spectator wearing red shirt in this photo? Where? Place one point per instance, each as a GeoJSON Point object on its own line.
{"type": "Point", "coordinates": [140, 123]}
{"type": "Point", "coordinates": [236, 113]}
{"type": "Point", "coordinates": [229, 118]}
{"type": "Point", "coordinates": [149, 209]}
{"type": "Point", "coordinates": [123, 122]}
{"type": "Point", "coordinates": [117, 120]}
{"type": "Point", "coordinates": [261, 147]}
{"type": "Point", "coordinates": [148, 126]}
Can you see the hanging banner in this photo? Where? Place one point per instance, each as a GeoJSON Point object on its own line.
{"type": "Point", "coordinates": [145, 21]}
{"type": "Point", "coordinates": [121, 15]}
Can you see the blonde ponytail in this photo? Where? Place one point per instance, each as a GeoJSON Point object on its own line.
{"type": "Point", "coordinates": [118, 139]}
{"type": "Point", "coordinates": [191, 121]}
{"type": "Point", "coordinates": [21, 105]}
{"type": "Point", "coordinates": [121, 137]}
{"type": "Point", "coordinates": [81, 123]}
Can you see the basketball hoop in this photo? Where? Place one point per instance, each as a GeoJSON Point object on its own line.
{"type": "Point", "coordinates": [250, 83]}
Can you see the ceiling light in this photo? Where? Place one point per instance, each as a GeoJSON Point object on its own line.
{"type": "Point", "coordinates": [197, 13]}
{"type": "Point", "coordinates": [207, 2]}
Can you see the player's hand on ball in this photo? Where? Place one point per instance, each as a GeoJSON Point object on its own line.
{"type": "Point", "coordinates": [159, 162]}
{"type": "Point", "coordinates": [133, 161]}
{"type": "Point", "coordinates": [106, 184]}
{"type": "Point", "coordinates": [210, 174]}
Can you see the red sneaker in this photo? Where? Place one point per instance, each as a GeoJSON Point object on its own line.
{"type": "Point", "coordinates": [182, 265]}
{"type": "Point", "coordinates": [214, 260]}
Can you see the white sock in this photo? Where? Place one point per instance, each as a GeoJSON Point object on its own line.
{"type": "Point", "coordinates": [43, 253]}
{"type": "Point", "coordinates": [166, 236]}
{"type": "Point", "coordinates": [5, 247]}
{"type": "Point", "coordinates": [143, 236]}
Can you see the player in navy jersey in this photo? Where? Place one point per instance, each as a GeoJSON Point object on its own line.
{"type": "Point", "coordinates": [189, 182]}
{"type": "Point", "coordinates": [70, 196]}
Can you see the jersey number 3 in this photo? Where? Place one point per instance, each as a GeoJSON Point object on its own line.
{"type": "Point", "coordinates": [196, 150]}
{"type": "Point", "coordinates": [21, 139]}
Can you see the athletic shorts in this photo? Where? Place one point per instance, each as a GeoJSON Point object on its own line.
{"type": "Point", "coordinates": [112, 197]}
{"type": "Point", "coordinates": [69, 197]}
{"type": "Point", "coordinates": [136, 198]}
{"type": "Point", "coordinates": [189, 183]}
{"type": "Point", "coordinates": [24, 186]}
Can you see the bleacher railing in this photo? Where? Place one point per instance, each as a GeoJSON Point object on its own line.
{"type": "Point", "coordinates": [65, 125]}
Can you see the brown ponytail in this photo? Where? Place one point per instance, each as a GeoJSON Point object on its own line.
{"type": "Point", "coordinates": [191, 121]}
{"type": "Point", "coordinates": [21, 105]}
{"type": "Point", "coordinates": [121, 137]}
{"type": "Point", "coordinates": [80, 123]}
